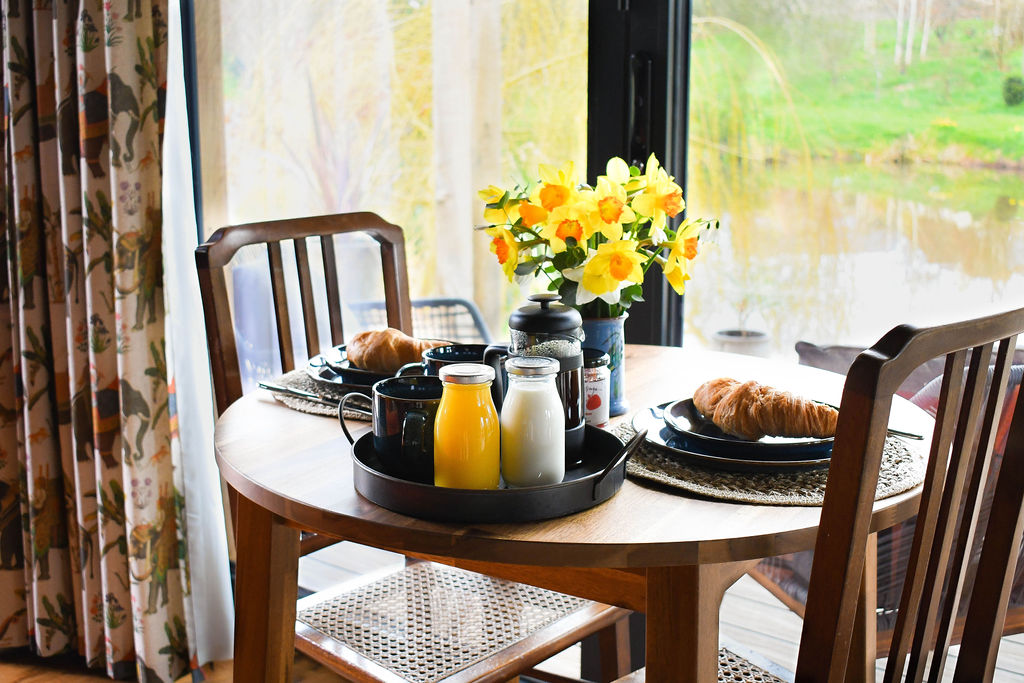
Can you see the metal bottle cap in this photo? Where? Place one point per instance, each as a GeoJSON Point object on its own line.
{"type": "Point", "coordinates": [466, 373]}
{"type": "Point", "coordinates": [531, 365]}
{"type": "Point", "coordinates": [595, 358]}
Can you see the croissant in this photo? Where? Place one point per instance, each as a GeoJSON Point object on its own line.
{"type": "Point", "coordinates": [386, 350]}
{"type": "Point", "coordinates": [751, 410]}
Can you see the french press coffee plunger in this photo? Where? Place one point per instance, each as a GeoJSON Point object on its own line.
{"type": "Point", "coordinates": [548, 328]}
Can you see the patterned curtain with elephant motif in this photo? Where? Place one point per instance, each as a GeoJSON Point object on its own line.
{"type": "Point", "coordinates": [92, 537]}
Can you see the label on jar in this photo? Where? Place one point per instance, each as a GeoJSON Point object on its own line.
{"type": "Point", "coordinates": [597, 393]}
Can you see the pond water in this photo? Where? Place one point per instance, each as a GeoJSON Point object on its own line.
{"type": "Point", "coordinates": [840, 253]}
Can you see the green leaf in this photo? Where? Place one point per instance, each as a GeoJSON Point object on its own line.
{"type": "Point", "coordinates": [563, 260]}
{"type": "Point", "coordinates": [526, 267]}
{"type": "Point", "coordinates": [631, 294]}
{"type": "Point", "coordinates": [567, 290]}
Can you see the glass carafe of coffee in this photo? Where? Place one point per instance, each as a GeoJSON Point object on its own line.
{"type": "Point", "coordinates": [548, 328]}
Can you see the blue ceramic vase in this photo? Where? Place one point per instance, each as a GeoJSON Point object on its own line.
{"type": "Point", "coordinates": [607, 334]}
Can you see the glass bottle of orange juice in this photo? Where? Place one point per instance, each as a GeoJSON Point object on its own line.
{"type": "Point", "coordinates": [467, 436]}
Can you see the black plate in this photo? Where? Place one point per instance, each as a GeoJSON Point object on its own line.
{"type": "Point", "coordinates": [753, 459]}
{"type": "Point", "coordinates": [595, 480]}
{"type": "Point", "coordinates": [333, 366]}
{"type": "Point", "coordinates": [697, 431]}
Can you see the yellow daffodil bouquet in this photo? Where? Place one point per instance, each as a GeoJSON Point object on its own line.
{"type": "Point", "coordinates": [594, 244]}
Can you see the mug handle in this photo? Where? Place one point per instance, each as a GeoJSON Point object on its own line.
{"type": "Point", "coordinates": [341, 413]}
{"type": "Point", "coordinates": [493, 355]}
{"type": "Point", "coordinates": [409, 367]}
{"type": "Point", "coordinates": [415, 440]}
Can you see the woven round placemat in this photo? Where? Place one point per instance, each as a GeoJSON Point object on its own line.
{"type": "Point", "coordinates": [902, 469]}
{"type": "Point", "coordinates": [299, 379]}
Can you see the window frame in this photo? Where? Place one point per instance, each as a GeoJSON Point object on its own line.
{"type": "Point", "coordinates": [638, 103]}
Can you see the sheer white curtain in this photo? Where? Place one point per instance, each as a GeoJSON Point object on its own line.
{"type": "Point", "coordinates": [186, 341]}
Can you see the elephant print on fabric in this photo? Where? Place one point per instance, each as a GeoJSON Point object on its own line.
{"type": "Point", "coordinates": [30, 252]}
{"type": "Point", "coordinates": [122, 101]}
{"type": "Point", "coordinates": [140, 252]}
{"type": "Point", "coordinates": [12, 553]}
{"type": "Point", "coordinates": [49, 530]}
{"type": "Point", "coordinates": [106, 422]}
{"type": "Point", "coordinates": [67, 135]}
{"type": "Point", "coordinates": [93, 128]}
{"type": "Point", "coordinates": [155, 547]}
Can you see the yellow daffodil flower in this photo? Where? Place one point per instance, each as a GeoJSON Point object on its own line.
{"type": "Point", "coordinates": [610, 208]}
{"type": "Point", "coordinates": [584, 295]}
{"type": "Point", "coordinates": [682, 250]}
{"type": "Point", "coordinates": [677, 277]}
{"type": "Point", "coordinates": [565, 222]}
{"type": "Point", "coordinates": [558, 185]}
{"type": "Point", "coordinates": [612, 265]}
{"type": "Point", "coordinates": [617, 171]}
{"type": "Point", "coordinates": [491, 194]}
{"type": "Point", "coordinates": [504, 246]}
{"type": "Point", "coordinates": [532, 214]}
{"type": "Point", "coordinates": [507, 213]}
{"type": "Point", "coordinates": [661, 197]}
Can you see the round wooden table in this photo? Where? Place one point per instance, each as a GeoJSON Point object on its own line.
{"type": "Point", "coordinates": [648, 548]}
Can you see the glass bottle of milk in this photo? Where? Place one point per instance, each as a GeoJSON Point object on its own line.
{"type": "Point", "coordinates": [532, 423]}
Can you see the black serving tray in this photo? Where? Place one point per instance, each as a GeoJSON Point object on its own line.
{"type": "Point", "coordinates": [595, 480]}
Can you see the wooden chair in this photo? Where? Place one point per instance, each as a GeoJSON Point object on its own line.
{"type": "Point", "coordinates": [786, 576]}
{"type": "Point", "coordinates": [403, 605]}
{"type": "Point", "coordinates": [936, 581]}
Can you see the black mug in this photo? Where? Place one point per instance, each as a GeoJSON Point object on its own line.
{"type": "Point", "coordinates": [403, 424]}
{"type": "Point", "coordinates": [434, 359]}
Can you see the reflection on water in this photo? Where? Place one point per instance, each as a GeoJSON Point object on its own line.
{"type": "Point", "coordinates": [842, 253]}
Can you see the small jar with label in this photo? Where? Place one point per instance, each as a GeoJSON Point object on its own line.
{"type": "Point", "coordinates": [596, 386]}
{"type": "Point", "coordinates": [532, 423]}
{"type": "Point", "coordinates": [467, 437]}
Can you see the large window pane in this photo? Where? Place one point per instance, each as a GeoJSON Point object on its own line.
{"type": "Point", "coordinates": [865, 165]}
{"type": "Point", "coordinates": [404, 108]}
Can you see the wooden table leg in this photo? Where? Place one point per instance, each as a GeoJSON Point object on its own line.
{"type": "Point", "coordinates": [682, 619]}
{"type": "Point", "coordinates": [265, 593]}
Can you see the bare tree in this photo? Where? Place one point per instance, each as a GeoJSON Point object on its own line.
{"type": "Point", "coordinates": [910, 33]}
{"type": "Point", "coordinates": [899, 31]}
{"type": "Point", "coordinates": [927, 27]}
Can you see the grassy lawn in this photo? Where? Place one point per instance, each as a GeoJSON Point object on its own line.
{"type": "Point", "coordinates": [846, 103]}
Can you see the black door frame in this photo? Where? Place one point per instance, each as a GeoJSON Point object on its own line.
{"type": "Point", "coordinates": [638, 84]}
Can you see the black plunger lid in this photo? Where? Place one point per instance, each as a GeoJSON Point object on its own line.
{"type": "Point", "coordinates": [546, 316]}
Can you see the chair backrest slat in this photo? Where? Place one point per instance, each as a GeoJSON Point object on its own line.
{"type": "Point", "coordinates": [306, 297]}
{"type": "Point", "coordinates": [998, 561]}
{"type": "Point", "coordinates": [936, 581]}
{"type": "Point", "coordinates": [279, 292]}
{"type": "Point", "coordinates": [931, 498]}
{"type": "Point", "coordinates": [971, 509]}
{"type": "Point", "coordinates": [960, 465]}
{"type": "Point", "coordinates": [220, 333]}
{"type": "Point", "coordinates": [396, 280]}
{"type": "Point", "coordinates": [333, 289]}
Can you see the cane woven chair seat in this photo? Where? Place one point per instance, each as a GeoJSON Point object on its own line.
{"type": "Point", "coordinates": [430, 623]}
{"type": "Point", "coordinates": [732, 668]}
